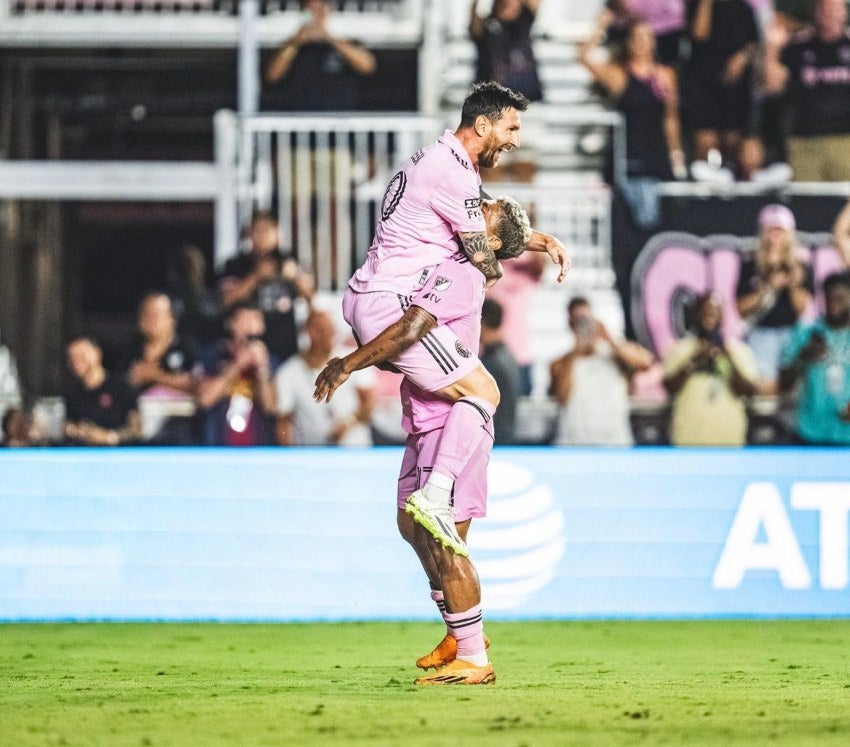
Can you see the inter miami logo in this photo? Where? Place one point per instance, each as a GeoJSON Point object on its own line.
{"type": "Point", "coordinates": [441, 284]}
{"type": "Point", "coordinates": [393, 195]}
{"type": "Point", "coordinates": [462, 350]}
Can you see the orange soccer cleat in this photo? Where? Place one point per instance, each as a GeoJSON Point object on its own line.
{"type": "Point", "coordinates": [460, 672]}
{"type": "Point", "coordinates": [444, 653]}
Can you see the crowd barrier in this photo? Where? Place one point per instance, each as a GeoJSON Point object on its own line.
{"type": "Point", "coordinates": [276, 534]}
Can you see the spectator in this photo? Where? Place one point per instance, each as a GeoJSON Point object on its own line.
{"type": "Point", "coordinates": [841, 234]}
{"type": "Point", "coordinates": [708, 378]}
{"type": "Point", "coordinates": [10, 386]}
{"type": "Point", "coordinates": [100, 407]}
{"type": "Point", "coordinates": [20, 430]}
{"type": "Point", "coordinates": [502, 366]}
{"type": "Point", "coordinates": [303, 422]}
{"type": "Point", "coordinates": [515, 293]}
{"type": "Point", "coordinates": [819, 357]}
{"type": "Point", "coordinates": [815, 69]}
{"type": "Point", "coordinates": [503, 42]}
{"type": "Point", "coordinates": [235, 392]}
{"type": "Point", "coordinates": [271, 279]}
{"type": "Point", "coordinates": [724, 41]}
{"type": "Point", "coordinates": [160, 364]}
{"type": "Point", "coordinates": [591, 383]}
{"type": "Point", "coordinates": [196, 307]}
{"type": "Point", "coordinates": [774, 289]}
{"type": "Point", "coordinates": [666, 17]}
{"type": "Point", "coordinates": [158, 357]}
{"type": "Point", "coordinates": [752, 165]}
{"type": "Point", "coordinates": [320, 71]}
{"type": "Point", "coordinates": [646, 93]}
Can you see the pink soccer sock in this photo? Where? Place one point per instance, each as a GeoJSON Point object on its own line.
{"type": "Point", "coordinates": [469, 421]}
{"type": "Point", "coordinates": [468, 628]}
{"type": "Point", "coordinates": [439, 600]}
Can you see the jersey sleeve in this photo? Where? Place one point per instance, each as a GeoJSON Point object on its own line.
{"type": "Point", "coordinates": [450, 291]}
{"type": "Point", "coordinates": [458, 202]}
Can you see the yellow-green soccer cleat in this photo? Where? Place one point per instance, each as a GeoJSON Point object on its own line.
{"type": "Point", "coordinates": [444, 653]}
{"type": "Point", "coordinates": [437, 520]}
{"type": "Point", "coordinates": [460, 672]}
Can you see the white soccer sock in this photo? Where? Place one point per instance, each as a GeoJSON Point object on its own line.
{"type": "Point", "coordinates": [438, 489]}
{"type": "Point", "coordinates": [480, 659]}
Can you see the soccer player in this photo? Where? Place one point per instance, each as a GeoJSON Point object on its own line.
{"type": "Point", "coordinates": [430, 207]}
{"type": "Point", "coordinates": [449, 303]}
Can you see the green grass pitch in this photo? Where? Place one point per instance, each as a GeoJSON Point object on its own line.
{"type": "Point", "coordinates": [577, 683]}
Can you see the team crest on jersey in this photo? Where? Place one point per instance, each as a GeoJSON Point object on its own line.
{"type": "Point", "coordinates": [462, 350]}
{"type": "Point", "coordinates": [393, 195]}
{"type": "Point", "coordinates": [442, 284]}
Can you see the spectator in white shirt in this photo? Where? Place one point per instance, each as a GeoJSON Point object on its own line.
{"type": "Point", "coordinates": [303, 422]}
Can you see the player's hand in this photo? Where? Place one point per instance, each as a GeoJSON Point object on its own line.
{"type": "Point", "coordinates": [329, 379]}
{"type": "Point", "coordinates": [560, 256]}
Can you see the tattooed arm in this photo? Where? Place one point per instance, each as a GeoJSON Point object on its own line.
{"type": "Point", "coordinates": [477, 248]}
{"type": "Point", "coordinates": [392, 342]}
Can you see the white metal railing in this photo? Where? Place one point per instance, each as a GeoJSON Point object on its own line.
{"type": "Point", "coordinates": [317, 173]}
{"type": "Point", "coordinates": [578, 211]}
{"type": "Point", "coordinates": [194, 23]}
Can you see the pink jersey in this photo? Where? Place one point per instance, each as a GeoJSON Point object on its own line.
{"type": "Point", "coordinates": [433, 198]}
{"type": "Point", "coordinates": [454, 294]}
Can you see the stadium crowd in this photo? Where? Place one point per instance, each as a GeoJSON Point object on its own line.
{"type": "Point", "coordinates": [176, 382]}
{"type": "Point", "coordinates": [715, 90]}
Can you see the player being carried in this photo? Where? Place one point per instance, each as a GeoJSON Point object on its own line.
{"type": "Point", "coordinates": [449, 302]}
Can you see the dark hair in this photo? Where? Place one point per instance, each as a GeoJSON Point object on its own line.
{"type": "Point", "coordinates": [490, 100]}
{"type": "Point", "coordinates": [241, 306]}
{"type": "Point", "coordinates": [620, 51]}
{"type": "Point", "coordinates": [7, 419]}
{"type": "Point", "coordinates": [836, 280]}
{"type": "Point", "coordinates": [491, 314]}
{"type": "Point", "coordinates": [575, 302]}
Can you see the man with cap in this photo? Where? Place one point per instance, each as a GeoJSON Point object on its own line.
{"type": "Point", "coordinates": [774, 289]}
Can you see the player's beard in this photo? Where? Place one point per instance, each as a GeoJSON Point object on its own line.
{"type": "Point", "coordinates": [489, 158]}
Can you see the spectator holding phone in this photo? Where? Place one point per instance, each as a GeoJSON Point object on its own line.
{"type": "Point", "coordinates": [708, 378]}
{"type": "Point", "coordinates": [819, 360]}
{"type": "Point", "coordinates": [235, 391]}
{"type": "Point", "coordinates": [591, 383]}
{"type": "Point", "coordinates": [774, 289]}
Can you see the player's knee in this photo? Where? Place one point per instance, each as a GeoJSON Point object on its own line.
{"type": "Point", "coordinates": [483, 385]}
{"type": "Point", "coordinates": [406, 527]}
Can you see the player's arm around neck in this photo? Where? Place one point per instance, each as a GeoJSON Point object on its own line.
{"type": "Point", "coordinates": [476, 246]}
{"type": "Point", "coordinates": [389, 344]}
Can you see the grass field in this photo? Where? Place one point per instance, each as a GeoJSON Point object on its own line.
{"type": "Point", "coordinates": [558, 683]}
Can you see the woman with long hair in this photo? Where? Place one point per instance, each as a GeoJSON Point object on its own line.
{"type": "Point", "coordinates": [774, 288]}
